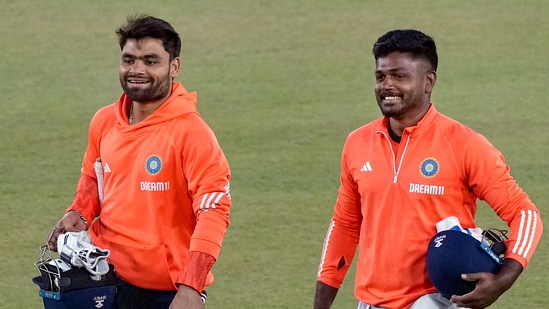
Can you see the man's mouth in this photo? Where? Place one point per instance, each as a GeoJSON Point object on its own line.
{"type": "Point", "coordinates": [137, 82]}
{"type": "Point", "coordinates": [390, 97]}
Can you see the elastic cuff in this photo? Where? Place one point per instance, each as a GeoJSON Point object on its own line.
{"type": "Point", "coordinates": [197, 267]}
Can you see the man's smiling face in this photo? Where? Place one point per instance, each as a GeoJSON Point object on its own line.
{"type": "Point", "coordinates": [146, 70]}
{"type": "Point", "coordinates": [402, 84]}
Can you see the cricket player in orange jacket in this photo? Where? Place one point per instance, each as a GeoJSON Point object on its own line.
{"type": "Point", "coordinates": [166, 199]}
{"type": "Point", "coordinates": [403, 173]}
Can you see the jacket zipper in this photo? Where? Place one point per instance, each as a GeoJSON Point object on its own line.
{"type": "Point", "coordinates": [396, 170]}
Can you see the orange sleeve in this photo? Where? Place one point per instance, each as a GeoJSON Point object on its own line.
{"type": "Point", "coordinates": [343, 233]}
{"type": "Point", "coordinates": [491, 181]}
{"type": "Point", "coordinates": [86, 198]}
{"type": "Point", "coordinates": [207, 172]}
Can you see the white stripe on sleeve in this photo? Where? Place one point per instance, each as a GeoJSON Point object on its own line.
{"type": "Point", "coordinates": [217, 199]}
{"type": "Point", "coordinates": [325, 247]}
{"type": "Point", "coordinates": [526, 233]}
{"type": "Point", "coordinates": [209, 203]}
{"type": "Point", "coordinates": [531, 235]}
{"type": "Point", "coordinates": [519, 237]}
{"type": "Point", "coordinates": [204, 197]}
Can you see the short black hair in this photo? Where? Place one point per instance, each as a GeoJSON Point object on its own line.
{"type": "Point", "coordinates": [142, 26]}
{"type": "Point", "coordinates": [410, 41]}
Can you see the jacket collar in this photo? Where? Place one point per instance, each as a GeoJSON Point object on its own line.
{"type": "Point", "coordinates": [423, 125]}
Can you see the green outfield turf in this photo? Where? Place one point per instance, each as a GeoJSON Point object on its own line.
{"type": "Point", "coordinates": [282, 83]}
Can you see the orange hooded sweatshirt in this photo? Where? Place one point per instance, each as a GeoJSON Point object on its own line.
{"type": "Point", "coordinates": [166, 189]}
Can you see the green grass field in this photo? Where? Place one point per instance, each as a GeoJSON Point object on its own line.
{"type": "Point", "coordinates": [282, 83]}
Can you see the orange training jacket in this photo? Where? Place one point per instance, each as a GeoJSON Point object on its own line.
{"type": "Point", "coordinates": [392, 195]}
{"type": "Point", "coordinates": [166, 189]}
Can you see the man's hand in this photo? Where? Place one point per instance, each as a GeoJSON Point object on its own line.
{"type": "Point", "coordinates": [187, 298]}
{"type": "Point", "coordinates": [489, 287]}
{"type": "Point", "coordinates": [71, 222]}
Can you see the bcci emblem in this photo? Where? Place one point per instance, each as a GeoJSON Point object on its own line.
{"type": "Point", "coordinates": [153, 165]}
{"type": "Point", "coordinates": [429, 168]}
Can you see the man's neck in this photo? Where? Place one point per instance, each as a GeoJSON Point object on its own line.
{"type": "Point", "coordinates": [398, 124]}
{"type": "Point", "coordinates": [140, 111]}
{"type": "Point", "coordinates": [396, 138]}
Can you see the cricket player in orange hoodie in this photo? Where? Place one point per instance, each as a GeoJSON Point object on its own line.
{"type": "Point", "coordinates": [165, 198]}
{"type": "Point", "coordinates": [403, 173]}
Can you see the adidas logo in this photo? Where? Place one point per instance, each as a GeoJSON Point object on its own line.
{"type": "Point", "coordinates": [106, 168]}
{"type": "Point", "coordinates": [366, 167]}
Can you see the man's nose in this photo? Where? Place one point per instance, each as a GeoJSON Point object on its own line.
{"type": "Point", "coordinates": [387, 83]}
{"type": "Point", "coordinates": [137, 67]}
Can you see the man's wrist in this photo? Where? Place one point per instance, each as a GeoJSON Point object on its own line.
{"type": "Point", "coordinates": [324, 295]}
{"type": "Point", "coordinates": [81, 216]}
{"type": "Point", "coordinates": [509, 273]}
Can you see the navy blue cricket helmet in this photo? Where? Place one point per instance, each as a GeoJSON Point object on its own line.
{"type": "Point", "coordinates": [452, 253]}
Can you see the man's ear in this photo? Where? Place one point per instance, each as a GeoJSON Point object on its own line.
{"type": "Point", "coordinates": [430, 81]}
{"type": "Point", "coordinates": [175, 65]}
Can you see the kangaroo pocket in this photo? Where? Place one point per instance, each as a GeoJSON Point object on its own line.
{"type": "Point", "coordinates": [144, 265]}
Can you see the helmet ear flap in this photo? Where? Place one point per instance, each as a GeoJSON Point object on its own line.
{"type": "Point", "coordinates": [499, 248]}
{"type": "Point", "coordinates": [496, 238]}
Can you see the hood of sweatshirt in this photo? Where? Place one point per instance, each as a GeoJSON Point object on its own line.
{"type": "Point", "coordinates": [180, 102]}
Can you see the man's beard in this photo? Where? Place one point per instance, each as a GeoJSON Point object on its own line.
{"type": "Point", "coordinates": [395, 113]}
{"type": "Point", "coordinates": [154, 92]}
